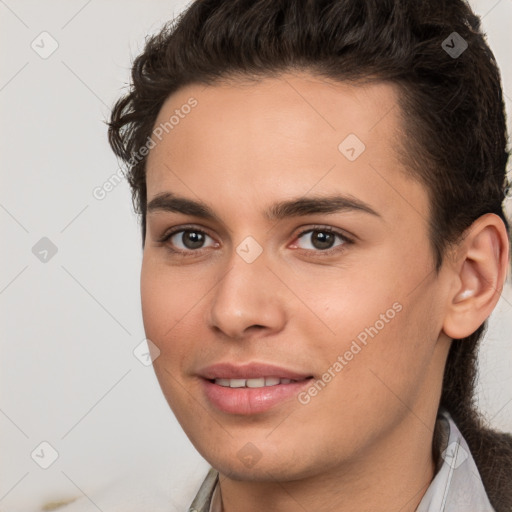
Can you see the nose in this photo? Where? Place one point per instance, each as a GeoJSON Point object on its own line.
{"type": "Point", "coordinates": [247, 299]}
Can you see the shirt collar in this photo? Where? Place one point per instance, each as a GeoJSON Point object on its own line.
{"type": "Point", "coordinates": [456, 486]}
{"type": "Point", "coordinates": [203, 500]}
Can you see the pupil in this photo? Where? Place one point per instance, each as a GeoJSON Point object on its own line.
{"type": "Point", "coordinates": [324, 240]}
{"type": "Point", "coordinates": [194, 241]}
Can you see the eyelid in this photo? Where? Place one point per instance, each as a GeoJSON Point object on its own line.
{"type": "Point", "coordinates": [183, 227]}
{"type": "Point", "coordinates": [327, 228]}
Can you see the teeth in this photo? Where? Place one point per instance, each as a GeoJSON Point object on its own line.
{"type": "Point", "coordinates": [252, 383]}
{"type": "Point", "coordinates": [255, 383]}
{"type": "Point", "coordinates": [237, 383]}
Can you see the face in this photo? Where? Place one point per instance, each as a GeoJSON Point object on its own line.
{"type": "Point", "coordinates": [295, 313]}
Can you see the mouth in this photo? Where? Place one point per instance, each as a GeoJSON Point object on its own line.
{"type": "Point", "coordinates": [252, 388]}
{"type": "Point", "coordinates": [259, 382]}
{"type": "Point", "coordinates": [252, 374]}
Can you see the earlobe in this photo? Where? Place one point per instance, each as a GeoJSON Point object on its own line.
{"type": "Point", "coordinates": [478, 276]}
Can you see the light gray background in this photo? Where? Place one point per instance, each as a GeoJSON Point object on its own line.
{"type": "Point", "coordinates": [69, 325]}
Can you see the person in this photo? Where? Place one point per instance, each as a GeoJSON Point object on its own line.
{"type": "Point", "coordinates": [320, 187]}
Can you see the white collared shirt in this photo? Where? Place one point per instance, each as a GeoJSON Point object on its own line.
{"type": "Point", "coordinates": [456, 486]}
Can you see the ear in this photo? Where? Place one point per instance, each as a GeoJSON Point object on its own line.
{"type": "Point", "coordinates": [479, 270]}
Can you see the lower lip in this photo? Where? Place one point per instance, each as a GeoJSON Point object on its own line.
{"type": "Point", "coordinates": [248, 401]}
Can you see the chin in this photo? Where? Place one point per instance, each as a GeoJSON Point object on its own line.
{"type": "Point", "coordinates": [266, 468]}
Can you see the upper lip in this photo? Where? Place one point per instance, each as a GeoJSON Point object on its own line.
{"type": "Point", "coordinates": [249, 371]}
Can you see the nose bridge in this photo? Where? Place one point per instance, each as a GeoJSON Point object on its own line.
{"type": "Point", "coordinates": [247, 295]}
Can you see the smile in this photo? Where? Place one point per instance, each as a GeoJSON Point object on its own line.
{"type": "Point", "coordinates": [252, 383]}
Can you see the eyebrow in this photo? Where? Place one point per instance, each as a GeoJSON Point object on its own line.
{"type": "Point", "coordinates": [170, 202]}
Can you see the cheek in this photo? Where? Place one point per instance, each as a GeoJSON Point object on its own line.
{"type": "Point", "coordinates": [164, 309]}
{"type": "Point", "coordinates": [359, 303]}
{"type": "Point", "coordinates": [378, 324]}
{"type": "Point", "coordinates": [165, 301]}
{"type": "Point", "coordinates": [157, 305]}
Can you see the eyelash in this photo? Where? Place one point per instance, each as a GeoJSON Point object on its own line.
{"type": "Point", "coordinates": [324, 229]}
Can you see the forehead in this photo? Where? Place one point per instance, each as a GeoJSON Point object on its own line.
{"type": "Point", "coordinates": [282, 136]}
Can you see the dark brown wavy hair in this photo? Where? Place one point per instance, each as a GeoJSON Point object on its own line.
{"type": "Point", "coordinates": [453, 124]}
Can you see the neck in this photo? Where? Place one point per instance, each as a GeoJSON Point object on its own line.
{"type": "Point", "coordinates": [393, 474]}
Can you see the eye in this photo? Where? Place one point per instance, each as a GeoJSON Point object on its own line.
{"type": "Point", "coordinates": [323, 239]}
{"type": "Point", "coordinates": [186, 240]}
